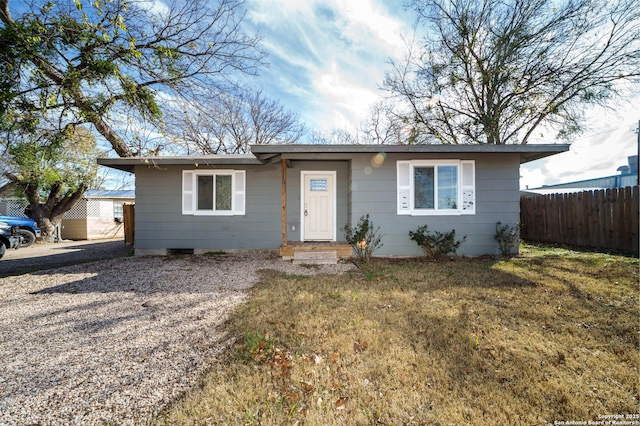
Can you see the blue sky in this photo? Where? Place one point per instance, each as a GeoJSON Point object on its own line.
{"type": "Point", "coordinates": [328, 59]}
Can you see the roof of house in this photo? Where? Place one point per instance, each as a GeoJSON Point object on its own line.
{"type": "Point", "coordinates": [269, 153]}
{"type": "Point", "coordinates": [128, 163]}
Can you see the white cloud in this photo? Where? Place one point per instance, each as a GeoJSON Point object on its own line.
{"type": "Point", "coordinates": [597, 153]}
{"type": "Point", "coordinates": [154, 7]}
{"type": "Point", "coordinates": [349, 100]}
{"type": "Point", "coordinates": [327, 57]}
{"type": "Point", "coordinates": [369, 24]}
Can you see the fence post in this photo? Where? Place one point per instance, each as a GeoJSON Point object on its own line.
{"type": "Point", "coordinates": [129, 219]}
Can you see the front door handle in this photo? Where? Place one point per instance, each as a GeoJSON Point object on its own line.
{"type": "Point", "coordinates": [306, 213]}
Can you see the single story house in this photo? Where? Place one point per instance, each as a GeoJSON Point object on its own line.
{"type": "Point", "coordinates": [283, 196]}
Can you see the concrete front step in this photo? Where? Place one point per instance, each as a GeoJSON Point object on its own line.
{"type": "Point", "coordinates": [316, 257]}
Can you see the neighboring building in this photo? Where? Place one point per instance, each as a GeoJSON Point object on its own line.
{"type": "Point", "coordinates": [97, 215]}
{"type": "Point", "coordinates": [281, 194]}
{"type": "Point", "coordinates": [628, 177]}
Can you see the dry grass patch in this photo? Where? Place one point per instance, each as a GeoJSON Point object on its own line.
{"type": "Point", "coordinates": [550, 335]}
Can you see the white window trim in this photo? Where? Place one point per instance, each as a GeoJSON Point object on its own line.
{"type": "Point", "coordinates": [190, 192]}
{"type": "Point", "coordinates": [406, 188]}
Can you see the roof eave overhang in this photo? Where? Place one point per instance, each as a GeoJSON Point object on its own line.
{"type": "Point", "coordinates": [272, 153]}
{"type": "Point", "coordinates": [129, 164]}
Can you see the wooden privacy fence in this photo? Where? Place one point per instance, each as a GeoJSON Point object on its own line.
{"type": "Point", "coordinates": [128, 211]}
{"type": "Point", "coordinates": [602, 219]}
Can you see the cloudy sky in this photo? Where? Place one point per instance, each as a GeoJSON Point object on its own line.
{"type": "Point", "coordinates": [328, 59]}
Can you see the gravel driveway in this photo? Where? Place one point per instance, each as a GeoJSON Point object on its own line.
{"type": "Point", "coordinates": [42, 255]}
{"type": "Point", "coordinates": [112, 342]}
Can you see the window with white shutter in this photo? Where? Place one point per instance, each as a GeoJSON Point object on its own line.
{"type": "Point", "coordinates": [435, 187]}
{"type": "Point", "coordinates": [468, 185]}
{"type": "Point", "coordinates": [188, 199]}
{"type": "Point", "coordinates": [404, 187]}
{"type": "Point", "coordinates": [213, 192]}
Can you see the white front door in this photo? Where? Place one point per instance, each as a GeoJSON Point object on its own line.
{"type": "Point", "coordinates": [318, 206]}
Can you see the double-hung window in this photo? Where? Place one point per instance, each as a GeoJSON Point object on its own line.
{"type": "Point", "coordinates": [436, 187]}
{"type": "Point", "coordinates": [213, 192]}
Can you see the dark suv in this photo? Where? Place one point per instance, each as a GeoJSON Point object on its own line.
{"type": "Point", "coordinates": [29, 230]}
{"type": "Point", "coordinates": [9, 237]}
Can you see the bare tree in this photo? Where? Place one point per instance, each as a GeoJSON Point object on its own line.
{"type": "Point", "coordinates": [493, 71]}
{"type": "Point", "coordinates": [228, 123]}
{"type": "Point", "coordinates": [385, 125]}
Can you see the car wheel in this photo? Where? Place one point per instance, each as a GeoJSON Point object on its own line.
{"type": "Point", "coordinates": [26, 238]}
{"type": "Point", "coordinates": [3, 249]}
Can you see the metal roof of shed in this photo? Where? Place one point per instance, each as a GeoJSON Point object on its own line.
{"type": "Point", "coordinates": [109, 193]}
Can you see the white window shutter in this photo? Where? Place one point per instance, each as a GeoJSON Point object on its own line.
{"type": "Point", "coordinates": [404, 187]}
{"type": "Point", "coordinates": [188, 192]}
{"type": "Point", "coordinates": [468, 186]}
{"type": "Point", "coordinates": [239, 192]}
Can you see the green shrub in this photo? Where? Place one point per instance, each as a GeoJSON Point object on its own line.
{"type": "Point", "coordinates": [436, 244]}
{"type": "Point", "coordinates": [364, 238]}
{"type": "Point", "coordinates": [507, 237]}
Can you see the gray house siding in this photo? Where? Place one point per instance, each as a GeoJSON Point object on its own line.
{"type": "Point", "coordinates": [361, 189]}
{"type": "Point", "coordinates": [160, 224]}
{"type": "Point", "coordinates": [159, 201]}
{"type": "Point", "coordinates": [364, 185]}
{"type": "Point", "coordinates": [373, 191]}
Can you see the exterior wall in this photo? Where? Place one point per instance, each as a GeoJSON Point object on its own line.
{"type": "Point", "coordinates": [74, 229]}
{"type": "Point", "coordinates": [92, 219]}
{"type": "Point", "coordinates": [160, 224]}
{"type": "Point", "coordinates": [363, 186]}
{"type": "Point", "coordinates": [373, 191]}
{"type": "Point", "coordinates": [293, 194]}
{"type": "Point", "coordinates": [99, 228]}
{"type": "Point", "coordinates": [93, 228]}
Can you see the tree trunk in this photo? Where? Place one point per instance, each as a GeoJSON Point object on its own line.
{"type": "Point", "coordinates": [50, 213]}
{"type": "Point", "coordinates": [47, 226]}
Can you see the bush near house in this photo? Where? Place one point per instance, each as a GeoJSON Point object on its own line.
{"type": "Point", "coordinates": [436, 244]}
{"type": "Point", "coordinates": [364, 238]}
